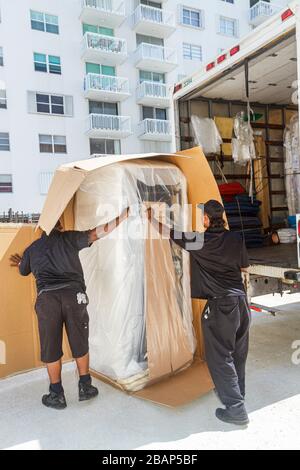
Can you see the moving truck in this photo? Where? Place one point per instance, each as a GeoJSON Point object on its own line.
{"type": "Point", "coordinates": [263, 69]}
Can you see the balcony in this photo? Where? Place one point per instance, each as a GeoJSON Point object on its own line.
{"type": "Point", "coordinates": [261, 11]}
{"type": "Point", "coordinates": [153, 94]}
{"type": "Point", "coordinates": [155, 58]}
{"type": "Point", "coordinates": [110, 13]}
{"type": "Point", "coordinates": [155, 129]}
{"type": "Point", "coordinates": [153, 21]}
{"type": "Point", "coordinates": [106, 88]}
{"type": "Point", "coordinates": [105, 49]}
{"type": "Point", "coordinates": [108, 126]}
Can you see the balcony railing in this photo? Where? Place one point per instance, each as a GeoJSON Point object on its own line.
{"type": "Point", "coordinates": [261, 11]}
{"type": "Point", "coordinates": [111, 126]}
{"type": "Point", "coordinates": [159, 57]}
{"type": "Point", "coordinates": [152, 92]}
{"type": "Point", "coordinates": [157, 19]}
{"type": "Point", "coordinates": [106, 12]}
{"type": "Point", "coordinates": [155, 129]}
{"type": "Point", "coordinates": [103, 85]}
{"type": "Point", "coordinates": [105, 46]}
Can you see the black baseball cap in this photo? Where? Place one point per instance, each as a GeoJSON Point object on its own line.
{"type": "Point", "coordinates": [213, 209]}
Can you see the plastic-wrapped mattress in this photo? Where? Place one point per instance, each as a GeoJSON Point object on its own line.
{"type": "Point", "coordinates": [129, 324]}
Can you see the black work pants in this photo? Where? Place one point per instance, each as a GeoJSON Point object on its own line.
{"type": "Point", "coordinates": [226, 323]}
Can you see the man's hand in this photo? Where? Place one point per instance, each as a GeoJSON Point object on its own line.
{"type": "Point", "coordinates": [15, 260]}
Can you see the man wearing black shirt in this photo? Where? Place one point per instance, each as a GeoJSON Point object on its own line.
{"type": "Point", "coordinates": [216, 266]}
{"type": "Point", "coordinates": [62, 300]}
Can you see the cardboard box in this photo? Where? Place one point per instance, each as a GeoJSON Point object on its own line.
{"type": "Point", "coordinates": [176, 390]}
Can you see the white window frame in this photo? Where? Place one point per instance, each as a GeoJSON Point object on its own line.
{"type": "Point", "coordinates": [47, 63]}
{"type": "Point", "coordinates": [191, 46]}
{"type": "Point", "coordinates": [45, 22]}
{"type": "Point", "coordinates": [53, 144]}
{"type": "Point", "coordinates": [195, 10]}
{"type": "Point", "coordinates": [50, 104]}
{"type": "Point", "coordinates": [3, 98]}
{"type": "Point", "coordinates": [8, 142]}
{"type": "Point", "coordinates": [225, 33]}
{"type": "Point", "coordinates": [1, 57]}
{"type": "Point", "coordinates": [10, 183]}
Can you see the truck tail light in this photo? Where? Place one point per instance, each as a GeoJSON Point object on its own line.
{"type": "Point", "coordinates": [287, 14]}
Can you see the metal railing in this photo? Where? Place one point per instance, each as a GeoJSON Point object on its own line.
{"type": "Point", "coordinates": [107, 83]}
{"type": "Point", "coordinates": [153, 52]}
{"type": "Point", "coordinates": [18, 217]}
{"type": "Point", "coordinates": [107, 122]}
{"type": "Point", "coordinates": [148, 89]}
{"type": "Point", "coordinates": [103, 43]}
{"type": "Point", "coordinates": [110, 6]}
{"type": "Point", "coordinates": [263, 8]}
{"type": "Point", "coordinates": [155, 126]}
{"type": "Point", "coordinates": [155, 15]}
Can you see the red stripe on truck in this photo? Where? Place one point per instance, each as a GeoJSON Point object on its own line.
{"type": "Point", "coordinates": [287, 14]}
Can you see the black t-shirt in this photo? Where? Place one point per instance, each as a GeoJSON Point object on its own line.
{"type": "Point", "coordinates": [216, 267]}
{"type": "Point", "coordinates": [54, 260]}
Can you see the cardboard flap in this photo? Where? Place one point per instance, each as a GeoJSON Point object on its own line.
{"type": "Point", "coordinates": [64, 185]}
{"type": "Point", "coordinates": [180, 389]}
{"type": "Point", "coordinates": [69, 177]}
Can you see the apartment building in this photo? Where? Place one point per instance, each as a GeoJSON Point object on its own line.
{"type": "Point", "coordinates": [84, 77]}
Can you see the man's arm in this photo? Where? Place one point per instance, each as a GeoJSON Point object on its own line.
{"type": "Point", "coordinates": [21, 262]}
{"type": "Point", "coordinates": [103, 230]}
{"type": "Point", "coordinates": [186, 240]}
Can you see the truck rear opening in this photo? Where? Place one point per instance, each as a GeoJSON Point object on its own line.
{"type": "Point", "coordinates": [264, 67]}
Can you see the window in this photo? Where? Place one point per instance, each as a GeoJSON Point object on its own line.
{"type": "Point", "coordinates": [228, 26]}
{"type": "Point", "coordinates": [44, 63]}
{"type": "Point", "coordinates": [44, 22]}
{"type": "Point", "coordinates": [100, 69]}
{"type": "Point", "coordinates": [105, 146]}
{"type": "Point", "coordinates": [146, 76]}
{"type": "Point", "coordinates": [6, 184]}
{"type": "Point", "coordinates": [1, 57]}
{"type": "Point", "coordinates": [50, 104]}
{"type": "Point", "coordinates": [191, 17]}
{"type": "Point", "coordinates": [141, 38]}
{"type": "Point", "coordinates": [4, 142]}
{"type": "Point", "coordinates": [52, 143]}
{"type": "Point", "coordinates": [154, 113]}
{"type": "Point", "coordinates": [228, 1]}
{"type": "Point", "coordinates": [97, 29]}
{"type": "Point", "coordinates": [3, 99]}
{"type": "Point", "coordinates": [45, 181]}
{"type": "Point", "coordinates": [192, 52]}
{"type": "Point", "coordinates": [99, 107]}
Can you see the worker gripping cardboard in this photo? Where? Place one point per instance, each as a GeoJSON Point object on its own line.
{"type": "Point", "coordinates": [216, 271]}
{"type": "Point", "coordinates": [62, 300]}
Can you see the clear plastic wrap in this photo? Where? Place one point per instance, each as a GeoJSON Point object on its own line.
{"type": "Point", "coordinates": [138, 288]}
{"type": "Point", "coordinates": [292, 165]}
{"type": "Point", "coordinates": [207, 134]}
{"type": "Point", "coordinates": [243, 147]}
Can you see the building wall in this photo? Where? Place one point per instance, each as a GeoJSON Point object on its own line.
{"type": "Point", "coordinates": [24, 160]}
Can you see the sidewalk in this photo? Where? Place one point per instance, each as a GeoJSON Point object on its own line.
{"type": "Point", "coordinates": [118, 421]}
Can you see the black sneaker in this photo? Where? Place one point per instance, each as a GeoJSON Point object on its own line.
{"type": "Point", "coordinates": [87, 391]}
{"type": "Point", "coordinates": [231, 416]}
{"type": "Point", "coordinates": [57, 401]}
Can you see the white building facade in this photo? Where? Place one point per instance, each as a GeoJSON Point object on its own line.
{"type": "Point", "coordinates": [94, 76]}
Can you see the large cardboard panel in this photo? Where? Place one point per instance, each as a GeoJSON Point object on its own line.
{"type": "Point", "coordinates": [18, 323]}
{"type": "Point", "coordinates": [180, 389]}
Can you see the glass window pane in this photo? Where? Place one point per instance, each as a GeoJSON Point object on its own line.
{"type": "Point", "coordinates": [105, 31]}
{"type": "Point", "coordinates": [42, 98]}
{"type": "Point", "coordinates": [57, 109]}
{"type": "Point", "coordinates": [57, 99]}
{"type": "Point", "coordinates": [89, 28]}
{"type": "Point", "coordinates": [45, 139]}
{"type": "Point", "coordinates": [145, 76]}
{"type": "Point", "coordinates": [92, 68]}
{"type": "Point", "coordinates": [148, 112]}
{"type": "Point", "coordinates": [37, 15]}
{"type": "Point", "coordinates": [108, 70]}
{"type": "Point", "coordinates": [53, 59]}
{"type": "Point", "coordinates": [46, 148]}
{"type": "Point", "coordinates": [37, 25]}
{"type": "Point", "coordinates": [59, 139]}
{"type": "Point", "coordinates": [111, 108]}
{"type": "Point", "coordinates": [97, 146]}
{"type": "Point", "coordinates": [43, 108]}
{"type": "Point", "coordinates": [52, 19]}
{"type": "Point", "coordinates": [160, 114]}
{"type": "Point", "coordinates": [51, 28]}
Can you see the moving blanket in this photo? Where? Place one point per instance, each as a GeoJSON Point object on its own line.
{"type": "Point", "coordinates": [140, 306]}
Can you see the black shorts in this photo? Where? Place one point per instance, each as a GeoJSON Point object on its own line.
{"type": "Point", "coordinates": [54, 310]}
